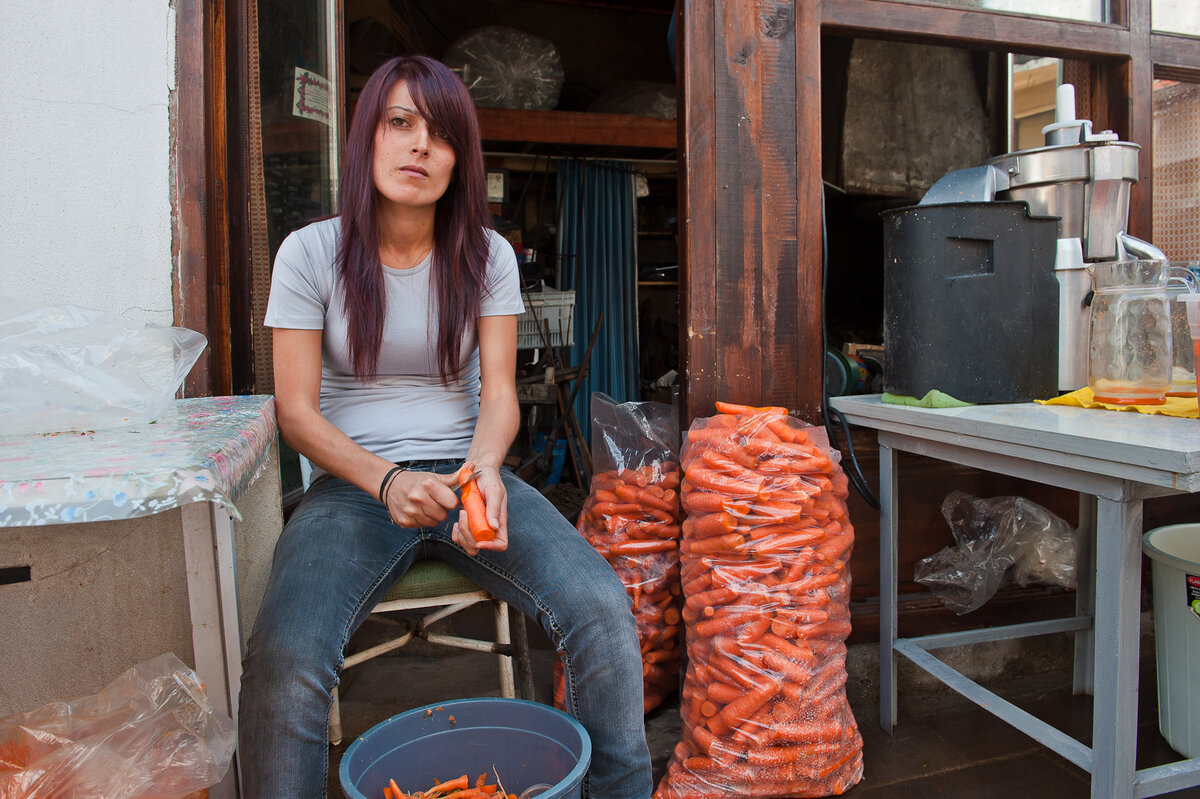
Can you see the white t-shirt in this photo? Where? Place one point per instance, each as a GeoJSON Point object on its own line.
{"type": "Point", "coordinates": [405, 413]}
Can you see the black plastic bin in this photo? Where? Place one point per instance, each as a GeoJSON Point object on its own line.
{"type": "Point", "coordinates": [970, 302]}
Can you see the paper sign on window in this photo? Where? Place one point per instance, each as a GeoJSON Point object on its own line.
{"type": "Point", "coordinates": [310, 96]}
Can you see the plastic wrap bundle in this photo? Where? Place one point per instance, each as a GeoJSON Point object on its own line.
{"type": "Point", "coordinates": [638, 98]}
{"type": "Point", "coordinates": [151, 734]}
{"type": "Point", "coordinates": [64, 367]}
{"type": "Point", "coordinates": [766, 543]}
{"type": "Point", "coordinates": [997, 540]}
{"type": "Point", "coordinates": [631, 517]}
{"type": "Point", "coordinates": [507, 68]}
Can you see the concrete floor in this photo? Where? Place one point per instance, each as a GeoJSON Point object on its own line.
{"type": "Point", "coordinates": [943, 746]}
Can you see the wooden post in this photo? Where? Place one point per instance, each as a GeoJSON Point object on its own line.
{"type": "Point", "coordinates": [751, 236]}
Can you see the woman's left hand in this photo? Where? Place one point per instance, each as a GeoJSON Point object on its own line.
{"type": "Point", "coordinates": [495, 499]}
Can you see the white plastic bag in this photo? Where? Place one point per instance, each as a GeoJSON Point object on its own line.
{"type": "Point", "coordinates": [150, 734]}
{"type": "Point", "coordinates": [64, 368]}
{"type": "Point", "coordinates": [998, 539]}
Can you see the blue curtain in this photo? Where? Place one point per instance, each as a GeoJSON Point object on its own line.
{"type": "Point", "coordinates": [597, 257]}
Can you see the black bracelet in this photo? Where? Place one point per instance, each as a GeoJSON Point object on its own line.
{"type": "Point", "coordinates": [387, 479]}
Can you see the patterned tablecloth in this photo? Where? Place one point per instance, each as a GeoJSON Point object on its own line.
{"type": "Point", "coordinates": [206, 449]}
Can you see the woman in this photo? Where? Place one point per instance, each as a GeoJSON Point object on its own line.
{"type": "Point", "coordinates": [395, 360]}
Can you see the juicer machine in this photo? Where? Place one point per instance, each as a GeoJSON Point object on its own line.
{"type": "Point", "coordinates": [1083, 178]}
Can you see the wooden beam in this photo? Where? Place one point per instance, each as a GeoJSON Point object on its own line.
{"type": "Point", "coordinates": [218, 235]}
{"type": "Point", "coordinates": [1175, 57]}
{"type": "Point", "coordinates": [189, 155]}
{"type": "Point", "coordinates": [241, 345]}
{"type": "Point", "coordinates": [644, 6]}
{"type": "Point", "coordinates": [200, 236]}
{"type": "Point", "coordinates": [751, 232]}
{"type": "Point", "coordinates": [902, 20]}
{"type": "Point", "coordinates": [808, 375]}
{"type": "Point", "coordinates": [1138, 91]}
{"type": "Point", "coordinates": [575, 127]}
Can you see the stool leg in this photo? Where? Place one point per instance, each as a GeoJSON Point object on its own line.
{"type": "Point", "coordinates": [504, 637]}
{"type": "Point", "coordinates": [521, 657]}
{"type": "Point", "coordinates": [335, 720]}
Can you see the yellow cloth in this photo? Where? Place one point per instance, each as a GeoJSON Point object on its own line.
{"type": "Point", "coordinates": [1084, 398]}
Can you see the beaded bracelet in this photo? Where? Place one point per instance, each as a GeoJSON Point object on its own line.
{"type": "Point", "coordinates": [387, 479]}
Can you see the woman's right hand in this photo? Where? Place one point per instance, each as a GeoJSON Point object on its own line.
{"type": "Point", "coordinates": [421, 499]}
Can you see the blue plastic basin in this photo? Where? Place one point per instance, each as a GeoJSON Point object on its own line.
{"type": "Point", "coordinates": [528, 743]}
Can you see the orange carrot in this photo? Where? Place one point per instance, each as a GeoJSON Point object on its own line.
{"type": "Point", "coordinates": [464, 473]}
{"type": "Point", "coordinates": [709, 524]}
{"type": "Point", "coordinates": [456, 784]}
{"type": "Point", "coordinates": [731, 487]}
{"type": "Point", "coordinates": [473, 504]}
{"type": "Point", "coordinates": [747, 410]}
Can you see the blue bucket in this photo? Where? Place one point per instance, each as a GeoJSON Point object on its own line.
{"type": "Point", "coordinates": [528, 743]}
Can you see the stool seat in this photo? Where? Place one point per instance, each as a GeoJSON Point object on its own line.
{"type": "Point", "coordinates": [430, 578]}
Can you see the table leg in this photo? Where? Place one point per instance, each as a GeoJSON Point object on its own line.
{"type": "Point", "coordinates": [888, 579]}
{"type": "Point", "coordinates": [1117, 630]}
{"type": "Point", "coordinates": [1085, 596]}
{"type": "Point", "coordinates": [231, 616]}
{"type": "Point", "coordinates": [216, 627]}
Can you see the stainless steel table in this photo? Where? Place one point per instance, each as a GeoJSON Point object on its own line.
{"type": "Point", "coordinates": [1117, 457]}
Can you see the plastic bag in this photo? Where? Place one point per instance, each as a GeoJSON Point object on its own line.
{"type": "Point", "coordinates": [69, 368]}
{"type": "Point", "coordinates": [766, 585]}
{"type": "Point", "coordinates": [631, 516]}
{"type": "Point", "coordinates": [998, 539]}
{"type": "Point", "coordinates": [150, 734]}
{"type": "Point", "coordinates": [507, 68]}
{"type": "Point", "coordinates": [638, 98]}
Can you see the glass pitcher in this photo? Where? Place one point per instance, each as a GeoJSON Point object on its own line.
{"type": "Point", "coordinates": [1130, 354]}
{"type": "Point", "coordinates": [1183, 375]}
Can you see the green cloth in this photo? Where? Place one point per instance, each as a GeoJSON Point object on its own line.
{"type": "Point", "coordinates": [430, 578]}
{"type": "Point", "coordinates": [933, 399]}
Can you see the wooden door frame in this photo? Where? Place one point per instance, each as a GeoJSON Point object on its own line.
{"type": "Point", "coordinates": [200, 200]}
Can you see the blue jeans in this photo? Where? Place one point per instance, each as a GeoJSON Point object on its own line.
{"type": "Point", "coordinates": [337, 557]}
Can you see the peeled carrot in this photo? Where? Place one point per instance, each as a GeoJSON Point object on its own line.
{"type": "Point", "coordinates": [456, 784]}
{"type": "Point", "coordinates": [473, 504]}
{"type": "Point", "coordinates": [457, 788]}
{"type": "Point", "coordinates": [642, 547]}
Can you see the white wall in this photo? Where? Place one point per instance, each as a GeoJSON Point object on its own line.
{"type": "Point", "coordinates": [85, 208]}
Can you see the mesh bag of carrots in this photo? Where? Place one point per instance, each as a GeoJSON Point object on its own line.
{"type": "Point", "coordinates": [764, 554]}
{"type": "Point", "coordinates": [631, 516]}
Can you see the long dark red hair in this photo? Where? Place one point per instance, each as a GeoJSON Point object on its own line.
{"type": "Point", "coordinates": [460, 243]}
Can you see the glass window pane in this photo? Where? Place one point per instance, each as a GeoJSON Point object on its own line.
{"type": "Point", "coordinates": [298, 114]}
{"type": "Point", "coordinates": [1177, 168]}
{"type": "Point", "coordinates": [1034, 86]}
{"type": "Point", "coordinates": [1086, 10]}
{"type": "Point", "coordinates": [1175, 16]}
{"type": "Point", "coordinates": [295, 134]}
